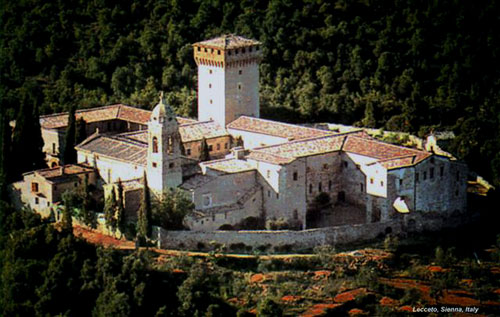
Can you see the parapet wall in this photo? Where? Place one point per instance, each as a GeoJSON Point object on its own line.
{"type": "Point", "coordinates": [296, 240]}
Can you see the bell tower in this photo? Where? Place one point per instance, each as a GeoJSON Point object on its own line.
{"type": "Point", "coordinates": [228, 78]}
{"type": "Point", "coordinates": [164, 149]}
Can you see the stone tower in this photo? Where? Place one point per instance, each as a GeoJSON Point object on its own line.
{"type": "Point", "coordinates": [164, 149]}
{"type": "Point", "coordinates": [228, 78]}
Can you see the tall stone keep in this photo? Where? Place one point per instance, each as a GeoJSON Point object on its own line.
{"type": "Point", "coordinates": [228, 78]}
{"type": "Point", "coordinates": [164, 168]}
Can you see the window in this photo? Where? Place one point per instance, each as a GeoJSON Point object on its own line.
{"type": "Point", "coordinates": [416, 177]}
{"type": "Point", "coordinates": [441, 171]}
{"type": "Point", "coordinates": [34, 187]}
{"type": "Point", "coordinates": [209, 85]}
{"type": "Point", "coordinates": [277, 196]}
{"type": "Point", "coordinates": [325, 166]}
{"type": "Point", "coordinates": [218, 146]}
{"type": "Point", "coordinates": [229, 53]}
{"type": "Point", "coordinates": [243, 50]}
{"type": "Point", "coordinates": [48, 203]}
{"type": "Point", "coordinates": [218, 52]}
{"type": "Point", "coordinates": [239, 86]}
{"type": "Point", "coordinates": [431, 173]}
{"type": "Point", "coordinates": [236, 52]}
{"type": "Point", "coordinates": [401, 182]}
{"type": "Point", "coordinates": [205, 49]}
{"type": "Point", "coordinates": [53, 148]}
{"type": "Point", "coordinates": [310, 188]}
{"type": "Point", "coordinates": [211, 101]}
{"type": "Point", "coordinates": [295, 176]}
{"type": "Point", "coordinates": [188, 152]}
{"type": "Point", "coordinates": [155, 144]}
{"type": "Point", "coordinates": [209, 71]}
{"type": "Point", "coordinates": [154, 164]}
{"type": "Point", "coordinates": [210, 148]}
{"type": "Point", "coordinates": [199, 48]}
{"type": "Point", "coordinates": [268, 193]}
{"type": "Point", "coordinates": [36, 200]}
{"type": "Point", "coordinates": [257, 48]}
{"type": "Point", "coordinates": [171, 165]}
{"type": "Point", "coordinates": [330, 185]}
{"type": "Point", "coordinates": [225, 145]}
{"type": "Point", "coordinates": [320, 189]}
{"type": "Point", "coordinates": [170, 145]}
{"type": "Point", "coordinates": [361, 189]}
{"type": "Point", "coordinates": [75, 184]}
{"type": "Point", "coordinates": [207, 200]}
{"type": "Point", "coordinates": [382, 183]}
{"type": "Point", "coordinates": [341, 196]}
{"type": "Point", "coordinates": [346, 164]}
{"type": "Point", "coordinates": [268, 173]}
{"type": "Point", "coordinates": [371, 180]}
{"type": "Point", "coordinates": [250, 49]}
{"type": "Point", "coordinates": [425, 176]}
{"type": "Point", "coordinates": [240, 72]}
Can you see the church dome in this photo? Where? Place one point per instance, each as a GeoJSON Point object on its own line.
{"type": "Point", "coordinates": [162, 111]}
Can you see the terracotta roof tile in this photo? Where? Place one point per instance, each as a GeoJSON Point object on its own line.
{"type": "Point", "coordinates": [228, 41]}
{"type": "Point", "coordinates": [274, 128]}
{"type": "Point", "coordinates": [64, 173]}
{"type": "Point", "coordinates": [112, 112]}
{"type": "Point", "coordinates": [380, 150]}
{"type": "Point", "coordinates": [116, 147]}
{"type": "Point", "coordinates": [230, 165]}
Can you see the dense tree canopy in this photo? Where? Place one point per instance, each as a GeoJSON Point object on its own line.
{"type": "Point", "coordinates": [402, 65]}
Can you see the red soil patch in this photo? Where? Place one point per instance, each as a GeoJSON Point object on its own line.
{"type": "Point", "coordinates": [95, 237]}
{"type": "Point", "coordinates": [321, 274]}
{"type": "Point", "coordinates": [406, 308]}
{"type": "Point", "coordinates": [319, 309]}
{"type": "Point", "coordinates": [256, 278]}
{"type": "Point", "coordinates": [357, 312]}
{"type": "Point", "coordinates": [387, 301]}
{"type": "Point", "coordinates": [349, 296]}
{"type": "Point", "coordinates": [291, 298]}
{"type": "Point", "coordinates": [436, 268]}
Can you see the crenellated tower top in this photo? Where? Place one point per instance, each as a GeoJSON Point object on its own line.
{"type": "Point", "coordinates": [227, 51]}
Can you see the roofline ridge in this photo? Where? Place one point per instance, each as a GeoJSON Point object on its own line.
{"type": "Point", "coordinates": [90, 138]}
{"type": "Point", "coordinates": [390, 144]}
{"type": "Point", "coordinates": [79, 111]}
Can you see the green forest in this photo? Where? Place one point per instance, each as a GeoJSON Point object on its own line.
{"type": "Point", "coordinates": [400, 65]}
{"type": "Point", "coordinates": [409, 66]}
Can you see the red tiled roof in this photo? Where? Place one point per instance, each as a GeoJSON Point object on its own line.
{"type": "Point", "coordinates": [189, 132]}
{"type": "Point", "coordinates": [274, 128]}
{"type": "Point", "coordinates": [116, 147]}
{"type": "Point", "coordinates": [70, 169]}
{"type": "Point", "coordinates": [380, 150]}
{"type": "Point", "coordinates": [112, 112]}
{"type": "Point", "coordinates": [228, 41]}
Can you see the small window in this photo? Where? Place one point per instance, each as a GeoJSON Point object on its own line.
{"type": "Point", "coordinates": [346, 164]}
{"type": "Point", "coordinates": [55, 187]}
{"type": "Point", "coordinates": [371, 180]}
{"type": "Point", "coordinates": [441, 171]}
{"type": "Point", "coordinates": [218, 52]}
{"type": "Point", "coordinates": [240, 72]}
{"type": "Point", "coordinates": [425, 176]}
{"type": "Point", "coordinates": [154, 164]}
{"type": "Point", "coordinates": [361, 189]}
{"type": "Point", "coordinates": [205, 49]}
{"type": "Point", "coordinates": [229, 53]}
{"type": "Point", "coordinates": [209, 85]}
{"type": "Point", "coordinates": [36, 200]}
{"type": "Point", "coordinates": [268, 173]}
{"type": "Point", "coordinates": [75, 184]}
{"type": "Point", "coordinates": [188, 152]}
{"type": "Point", "coordinates": [211, 50]}
{"type": "Point", "coordinates": [218, 146]}
{"type": "Point", "coordinates": [210, 148]}
{"type": "Point", "coordinates": [416, 177]}
{"type": "Point", "coordinates": [431, 173]}
{"type": "Point", "coordinates": [209, 71]}
{"type": "Point", "coordinates": [199, 48]}
{"type": "Point", "coordinates": [211, 101]}
{"type": "Point", "coordinates": [250, 49]}
{"type": "Point", "coordinates": [401, 182]}
{"type": "Point", "coordinates": [320, 189]}
{"type": "Point", "coordinates": [207, 200]}
{"type": "Point", "coordinates": [34, 187]}
{"type": "Point", "coordinates": [243, 50]}
{"type": "Point", "coordinates": [295, 176]}
{"type": "Point", "coordinates": [53, 148]}
{"type": "Point", "coordinates": [239, 86]}
{"type": "Point", "coordinates": [330, 185]}
{"type": "Point", "coordinates": [226, 145]}
{"type": "Point", "coordinates": [382, 183]}
{"type": "Point", "coordinates": [48, 203]}
{"type": "Point", "coordinates": [236, 52]}
{"type": "Point", "coordinates": [171, 165]}
{"type": "Point", "coordinates": [277, 196]}
{"type": "Point", "coordinates": [257, 48]}
{"type": "Point", "coordinates": [325, 166]}
{"type": "Point", "coordinates": [155, 144]}
{"type": "Point", "coordinates": [268, 193]}
{"type": "Point", "coordinates": [310, 188]}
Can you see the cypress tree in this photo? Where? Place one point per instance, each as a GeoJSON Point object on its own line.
{"type": "Point", "coordinates": [144, 213]}
{"type": "Point", "coordinates": [204, 152]}
{"type": "Point", "coordinates": [120, 208]}
{"type": "Point", "coordinates": [67, 219]}
{"type": "Point", "coordinates": [110, 209]}
{"type": "Point", "coordinates": [27, 139]}
{"type": "Point", "coordinates": [69, 154]}
{"type": "Point", "coordinates": [5, 142]}
{"type": "Point", "coordinates": [81, 131]}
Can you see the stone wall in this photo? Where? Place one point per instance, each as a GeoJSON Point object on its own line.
{"type": "Point", "coordinates": [294, 240]}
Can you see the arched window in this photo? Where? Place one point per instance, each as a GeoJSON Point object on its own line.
{"type": "Point", "coordinates": [155, 145]}
{"type": "Point", "coordinates": [170, 145]}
